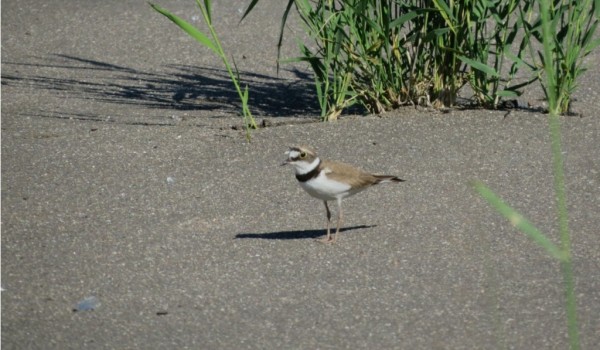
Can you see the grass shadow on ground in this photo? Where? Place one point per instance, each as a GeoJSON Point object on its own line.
{"type": "Point", "coordinates": [177, 87]}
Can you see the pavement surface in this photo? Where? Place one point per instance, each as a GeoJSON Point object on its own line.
{"type": "Point", "coordinates": [128, 188]}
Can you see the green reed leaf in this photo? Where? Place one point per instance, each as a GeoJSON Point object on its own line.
{"type": "Point", "coordinates": [520, 222]}
{"type": "Point", "coordinates": [188, 28]}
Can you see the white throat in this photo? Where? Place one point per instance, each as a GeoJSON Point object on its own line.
{"type": "Point", "coordinates": [305, 168]}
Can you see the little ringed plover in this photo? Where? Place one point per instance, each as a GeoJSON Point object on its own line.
{"type": "Point", "coordinates": [329, 180]}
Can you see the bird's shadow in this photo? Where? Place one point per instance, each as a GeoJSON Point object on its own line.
{"type": "Point", "coordinates": [303, 234]}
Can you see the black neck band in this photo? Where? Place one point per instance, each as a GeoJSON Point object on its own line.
{"type": "Point", "coordinates": [310, 175]}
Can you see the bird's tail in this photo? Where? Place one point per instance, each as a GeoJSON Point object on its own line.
{"type": "Point", "coordinates": [387, 178]}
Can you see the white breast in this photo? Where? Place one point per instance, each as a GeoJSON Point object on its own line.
{"type": "Point", "coordinates": [326, 189]}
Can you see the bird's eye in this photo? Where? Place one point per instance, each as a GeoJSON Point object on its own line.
{"type": "Point", "coordinates": [303, 155]}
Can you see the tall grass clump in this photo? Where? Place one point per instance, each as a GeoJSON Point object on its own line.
{"type": "Point", "coordinates": [481, 35]}
{"type": "Point", "coordinates": [565, 30]}
{"type": "Point", "coordinates": [387, 53]}
{"type": "Point", "coordinates": [355, 53]}
{"type": "Point", "coordinates": [214, 44]}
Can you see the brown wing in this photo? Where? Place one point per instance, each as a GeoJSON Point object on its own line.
{"type": "Point", "coordinates": [355, 177]}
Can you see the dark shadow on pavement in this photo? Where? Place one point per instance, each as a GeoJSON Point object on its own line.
{"type": "Point", "coordinates": [179, 87]}
{"type": "Point", "coordinates": [304, 234]}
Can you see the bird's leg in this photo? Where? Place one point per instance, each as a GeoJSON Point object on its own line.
{"type": "Point", "coordinates": [328, 238]}
{"type": "Point", "coordinates": [339, 221]}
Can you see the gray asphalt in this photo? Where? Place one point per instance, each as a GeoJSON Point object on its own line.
{"type": "Point", "coordinates": [126, 177]}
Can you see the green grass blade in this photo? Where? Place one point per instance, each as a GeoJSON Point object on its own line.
{"type": "Point", "coordinates": [283, 21]}
{"type": "Point", "coordinates": [188, 28]}
{"type": "Point", "coordinates": [249, 9]}
{"type": "Point", "coordinates": [507, 93]}
{"type": "Point", "coordinates": [520, 222]}
{"type": "Point", "coordinates": [446, 13]}
{"type": "Point", "coordinates": [398, 22]}
{"type": "Point", "coordinates": [245, 96]}
{"type": "Point", "coordinates": [519, 61]}
{"type": "Point", "coordinates": [561, 199]}
{"type": "Point", "coordinates": [591, 46]}
{"type": "Point", "coordinates": [480, 66]}
{"type": "Point", "coordinates": [208, 7]}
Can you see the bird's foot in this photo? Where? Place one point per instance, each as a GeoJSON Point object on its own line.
{"type": "Point", "coordinates": [329, 239]}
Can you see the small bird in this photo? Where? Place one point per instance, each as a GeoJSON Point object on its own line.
{"type": "Point", "coordinates": [329, 180]}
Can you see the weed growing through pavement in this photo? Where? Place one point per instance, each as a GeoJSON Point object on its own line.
{"type": "Point", "coordinates": [215, 46]}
